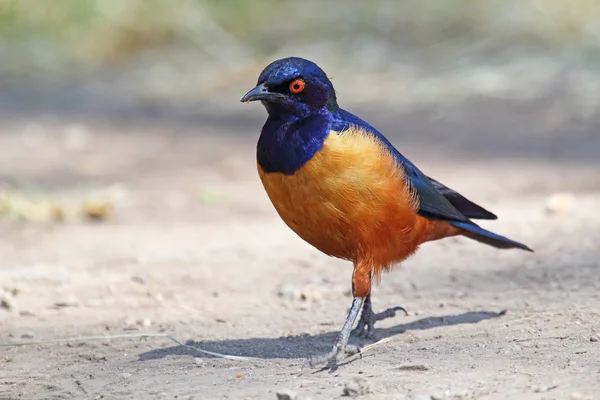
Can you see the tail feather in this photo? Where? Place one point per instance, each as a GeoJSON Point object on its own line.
{"type": "Point", "coordinates": [484, 236]}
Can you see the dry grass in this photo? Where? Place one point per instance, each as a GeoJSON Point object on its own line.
{"type": "Point", "coordinates": [91, 33]}
{"type": "Point", "coordinates": [159, 51]}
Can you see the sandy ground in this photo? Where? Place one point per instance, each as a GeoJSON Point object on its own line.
{"type": "Point", "coordinates": [194, 250]}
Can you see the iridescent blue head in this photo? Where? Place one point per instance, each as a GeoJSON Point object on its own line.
{"type": "Point", "coordinates": [300, 101]}
{"type": "Point", "coordinates": [292, 86]}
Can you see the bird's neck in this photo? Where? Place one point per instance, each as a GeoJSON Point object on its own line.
{"type": "Point", "coordinates": [287, 142]}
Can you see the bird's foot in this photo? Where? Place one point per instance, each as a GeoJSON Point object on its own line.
{"type": "Point", "coordinates": [341, 346]}
{"type": "Point", "coordinates": [331, 359]}
{"type": "Point", "coordinates": [366, 325]}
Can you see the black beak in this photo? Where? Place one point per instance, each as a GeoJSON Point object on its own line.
{"type": "Point", "coordinates": [259, 93]}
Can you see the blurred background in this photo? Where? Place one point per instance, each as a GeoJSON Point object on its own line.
{"type": "Point", "coordinates": [494, 79]}
{"type": "Point", "coordinates": [128, 112]}
{"type": "Point", "coordinates": [91, 54]}
{"type": "Point", "coordinates": [129, 198]}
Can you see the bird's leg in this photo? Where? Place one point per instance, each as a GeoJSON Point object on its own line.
{"type": "Point", "coordinates": [361, 286]}
{"type": "Point", "coordinates": [341, 343]}
{"type": "Point", "coordinates": [368, 319]}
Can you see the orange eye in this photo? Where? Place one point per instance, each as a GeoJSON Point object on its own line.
{"type": "Point", "coordinates": [297, 86]}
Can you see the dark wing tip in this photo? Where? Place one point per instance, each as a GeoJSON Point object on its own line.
{"type": "Point", "coordinates": [462, 204]}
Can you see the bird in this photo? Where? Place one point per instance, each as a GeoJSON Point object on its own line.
{"type": "Point", "coordinates": [342, 186]}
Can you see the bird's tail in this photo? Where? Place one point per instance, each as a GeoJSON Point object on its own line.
{"type": "Point", "coordinates": [481, 235]}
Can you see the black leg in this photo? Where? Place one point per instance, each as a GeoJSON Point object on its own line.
{"type": "Point", "coordinates": [341, 343]}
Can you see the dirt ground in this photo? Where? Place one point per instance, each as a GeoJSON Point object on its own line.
{"type": "Point", "coordinates": [194, 250]}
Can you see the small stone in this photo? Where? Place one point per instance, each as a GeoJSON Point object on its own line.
{"type": "Point", "coordinates": [26, 313]}
{"type": "Point", "coordinates": [287, 394]}
{"type": "Point", "coordinates": [199, 362]}
{"type": "Point", "coordinates": [145, 323]}
{"type": "Point", "coordinates": [27, 335]}
{"type": "Point", "coordinates": [138, 279]}
{"type": "Point", "coordinates": [356, 387]}
{"type": "Point", "coordinates": [7, 300]}
{"type": "Point", "coordinates": [595, 338]}
{"type": "Point", "coordinates": [289, 291]}
{"type": "Point", "coordinates": [416, 367]}
{"type": "Point", "coordinates": [70, 301]}
{"type": "Point", "coordinates": [126, 375]}
{"type": "Point", "coordinates": [422, 397]}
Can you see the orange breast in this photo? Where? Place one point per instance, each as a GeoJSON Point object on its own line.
{"type": "Point", "coordinates": [352, 201]}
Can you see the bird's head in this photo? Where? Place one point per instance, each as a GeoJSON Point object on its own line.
{"type": "Point", "coordinates": [292, 86]}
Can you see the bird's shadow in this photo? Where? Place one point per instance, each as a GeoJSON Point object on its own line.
{"type": "Point", "coordinates": [302, 346]}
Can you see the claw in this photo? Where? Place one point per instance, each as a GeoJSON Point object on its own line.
{"type": "Point", "coordinates": [389, 313]}
{"type": "Point", "coordinates": [365, 327]}
{"type": "Point", "coordinates": [368, 319]}
{"type": "Point", "coordinates": [332, 358]}
{"type": "Point", "coordinates": [341, 346]}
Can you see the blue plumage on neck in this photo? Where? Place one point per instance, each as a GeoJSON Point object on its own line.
{"type": "Point", "coordinates": [288, 141]}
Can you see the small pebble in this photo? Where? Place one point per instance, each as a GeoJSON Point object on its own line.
{"type": "Point", "coordinates": [544, 388]}
{"type": "Point", "coordinates": [289, 291]}
{"type": "Point", "coordinates": [417, 367]}
{"type": "Point", "coordinates": [7, 300]}
{"type": "Point", "coordinates": [145, 323]}
{"type": "Point", "coordinates": [26, 314]}
{"type": "Point", "coordinates": [594, 338]}
{"type": "Point", "coordinates": [287, 395]}
{"type": "Point", "coordinates": [70, 301]}
{"type": "Point", "coordinates": [199, 362]}
{"type": "Point", "coordinates": [126, 375]}
{"type": "Point", "coordinates": [424, 397]}
{"type": "Point", "coordinates": [356, 387]}
{"type": "Point", "coordinates": [27, 335]}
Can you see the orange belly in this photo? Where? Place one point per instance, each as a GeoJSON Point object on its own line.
{"type": "Point", "coordinates": [352, 201]}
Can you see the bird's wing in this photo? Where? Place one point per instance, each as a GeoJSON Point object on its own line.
{"type": "Point", "coordinates": [462, 204]}
{"type": "Point", "coordinates": [432, 203]}
{"type": "Point", "coordinates": [435, 200]}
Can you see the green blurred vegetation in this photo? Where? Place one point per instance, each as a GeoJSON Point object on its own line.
{"type": "Point", "coordinates": [67, 35]}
